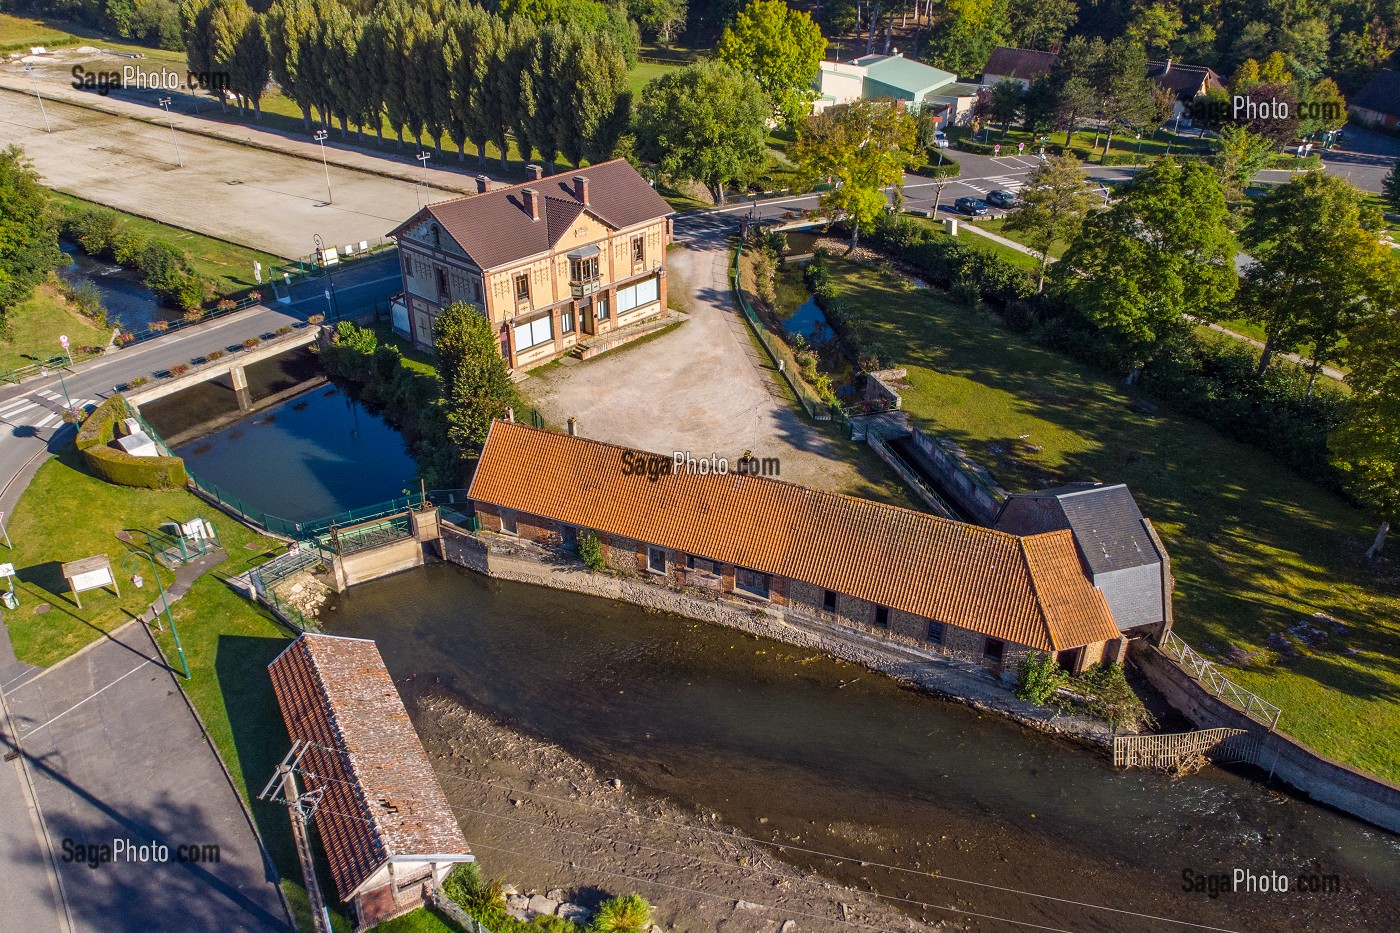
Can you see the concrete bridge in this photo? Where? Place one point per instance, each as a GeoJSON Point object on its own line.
{"type": "Point", "coordinates": [228, 369]}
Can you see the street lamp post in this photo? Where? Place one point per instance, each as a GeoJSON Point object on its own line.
{"type": "Point", "coordinates": [320, 137]}
{"type": "Point", "coordinates": [423, 157]}
{"type": "Point", "coordinates": [332, 302]}
{"type": "Point", "coordinates": [165, 105]}
{"type": "Point", "coordinates": [131, 564]}
{"type": "Point", "coordinates": [29, 70]}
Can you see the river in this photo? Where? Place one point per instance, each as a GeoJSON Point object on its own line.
{"type": "Point", "coordinates": [123, 291]}
{"type": "Point", "coordinates": [834, 759]}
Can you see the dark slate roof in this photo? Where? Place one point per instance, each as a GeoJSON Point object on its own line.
{"type": "Point", "coordinates": [494, 229]}
{"type": "Point", "coordinates": [1107, 524]}
{"type": "Point", "coordinates": [1381, 94]}
{"type": "Point", "coordinates": [1186, 81]}
{"type": "Point", "coordinates": [1026, 64]}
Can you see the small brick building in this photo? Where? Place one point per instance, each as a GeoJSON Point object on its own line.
{"type": "Point", "coordinates": [386, 826]}
{"type": "Point", "coordinates": [958, 589]}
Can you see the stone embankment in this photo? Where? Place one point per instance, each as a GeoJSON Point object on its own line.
{"type": "Point", "coordinates": [944, 677]}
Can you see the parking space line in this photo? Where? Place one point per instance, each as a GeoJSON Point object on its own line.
{"type": "Point", "coordinates": [95, 693]}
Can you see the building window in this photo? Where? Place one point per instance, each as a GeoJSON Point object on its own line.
{"type": "Point", "coordinates": [656, 560]}
{"type": "Point", "coordinates": [583, 270]}
{"type": "Point", "coordinates": [569, 535]}
{"type": "Point", "coordinates": [522, 287]}
{"type": "Point", "coordinates": [408, 267]}
{"type": "Point", "coordinates": [508, 522]}
{"type": "Point", "coordinates": [600, 306]}
{"type": "Point", "coordinates": [443, 292]}
{"type": "Point", "coordinates": [935, 632]}
{"type": "Point", "coordinates": [751, 582]}
{"type": "Point", "coordinates": [829, 600]}
{"type": "Point", "coordinates": [639, 249]}
{"type": "Point", "coordinates": [534, 333]}
{"type": "Point", "coordinates": [634, 296]}
{"type": "Point", "coordinates": [475, 285]}
{"type": "Point", "coordinates": [566, 322]}
{"type": "Point", "coordinates": [993, 649]}
{"type": "Point", "coordinates": [882, 616]}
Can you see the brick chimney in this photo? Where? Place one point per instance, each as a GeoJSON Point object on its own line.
{"type": "Point", "coordinates": [533, 172]}
{"type": "Point", "coordinates": [483, 184]}
{"type": "Point", "coordinates": [532, 202]}
{"type": "Point", "coordinates": [581, 188]}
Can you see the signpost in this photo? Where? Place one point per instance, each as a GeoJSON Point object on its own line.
{"type": "Point", "coordinates": [10, 599]}
{"type": "Point", "coordinates": [90, 573]}
{"type": "Point", "coordinates": [5, 531]}
{"type": "Point", "coordinates": [996, 150]}
{"type": "Point", "coordinates": [63, 342]}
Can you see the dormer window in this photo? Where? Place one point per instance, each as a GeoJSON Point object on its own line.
{"type": "Point", "coordinates": [436, 232]}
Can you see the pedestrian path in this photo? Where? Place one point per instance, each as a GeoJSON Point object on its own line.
{"type": "Point", "coordinates": [41, 409]}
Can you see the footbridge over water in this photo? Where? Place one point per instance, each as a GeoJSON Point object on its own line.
{"type": "Point", "coordinates": [229, 368]}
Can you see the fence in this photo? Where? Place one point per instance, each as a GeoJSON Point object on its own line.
{"type": "Point", "coordinates": [371, 534]}
{"type": "Point", "coordinates": [1166, 751]}
{"type": "Point", "coordinates": [1206, 671]}
{"type": "Point", "coordinates": [817, 409]}
{"type": "Point", "coordinates": [34, 369]}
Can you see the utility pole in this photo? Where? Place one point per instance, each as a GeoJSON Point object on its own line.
{"type": "Point", "coordinates": [320, 137]}
{"type": "Point", "coordinates": [165, 105]}
{"type": "Point", "coordinates": [423, 157]}
{"type": "Point", "coordinates": [301, 808]}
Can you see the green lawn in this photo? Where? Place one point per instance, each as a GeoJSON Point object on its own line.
{"type": "Point", "coordinates": [997, 225]}
{"type": "Point", "coordinates": [36, 324]}
{"type": "Point", "coordinates": [21, 32]}
{"type": "Point", "coordinates": [228, 266]}
{"type": "Point", "coordinates": [1255, 549]}
{"type": "Point", "coordinates": [1123, 143]}
{"type": "Point", "coordinates": [1014, 256]}
{"type": "Point", "coordinates": [646, 71]}
{"type": "Point", "coordinates": [422, 920]}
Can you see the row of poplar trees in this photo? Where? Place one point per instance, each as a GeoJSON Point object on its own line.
{"type": "Point", "coordinates": [447, 69]}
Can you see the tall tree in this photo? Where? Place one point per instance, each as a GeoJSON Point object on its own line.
{"type": "Point", "coordinates": [964, 37]}
{"type": "Point", "coordinates": [28, 232]}
{"type": "Point", "coordinates": [1163, 250]}
{"type": "Point", "coordinates": [1366, 447]}
{"type": "Point", "coordinates": [1390, 187]}
{"type": "Point", "coordinates": [1239, 156]}
{"type": "Point", "coordinates": [291, 26]}
{"type": "Point", "coordinates": [483, 44]}
{"type": "Point", "coordinates": [661, 19]}
{"type": "Point", "coordinates": [1126, 93]}
{"type": "Point", "coordinates": [197, 35]}
{"type": "Point", "coordinates": [467, 29]}
{"type": "Point", "coordinates": [389, 35]}
{"type": "Point", "coordinates": [1073, 75]}
{"type": "Point", "coordinates": [1324, 109]}
{"type": "Point", "coordinates": [543, 92]}
{"type": "Point", "coordinates": [705, 122]}
{"type": "Point", "coordinates": [865, 146]}
{"type": "Point", "coordinates": [1317, 272]}
{"type": "Point", "coordinates": [502, 87]}
{"type": "Point", "coordinates": [782, 48]}
{"type": "Point", "coordinates": [251, 64]}
{"type": "Point", "coordinates": [1008, 100]}
{"type": "Point", "coordinates": [1041, 26]}
{"type": "Point", "coordinates": [475, 380]}
{"type": "Point", "coordinates": [1052, 205]}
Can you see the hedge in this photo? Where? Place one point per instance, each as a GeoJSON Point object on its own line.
{"type": "Point", "coordinates": [117, 466]}
{"type": "Point", "coordinates": [932, 169]}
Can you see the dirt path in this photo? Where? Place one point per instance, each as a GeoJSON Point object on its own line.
{"type": "Point", "coordinates": [542, 820]}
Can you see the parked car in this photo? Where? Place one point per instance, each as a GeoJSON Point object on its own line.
{"type": "Point", "coordinates": [1001, 198]}
{"type": "Point", "coordinates": [940, 139]}
{"type": "Point", "coordinates": [970, 206]}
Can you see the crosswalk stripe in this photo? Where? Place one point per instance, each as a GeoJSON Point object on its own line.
{"type": "Point", "coordinates": [46, 420]}
{"type": "Point", "coordinates": [52, 396]}
{"type": "Point", "coordinates": [12, 412]}
{"type": "Point", "coordinates": [15, 405]}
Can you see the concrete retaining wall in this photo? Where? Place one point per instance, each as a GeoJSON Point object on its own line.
{"type": "Point", "coordinates": [965, 481]}
{"type": "Point", "coordinates": [378, 562]}
{"type": "Point", "coordinates": [1292, 762]}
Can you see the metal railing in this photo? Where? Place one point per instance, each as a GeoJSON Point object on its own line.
{"type": "Point", "coordinates": [1211, 677]}
{"type": "Point", "coordinates": [42, 367]}
{"type": "Point", "coordinates": [371, 534]}
{"type": "Point", "coordinates": [1165, 751]}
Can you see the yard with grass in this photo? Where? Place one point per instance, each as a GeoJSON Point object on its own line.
{"type": "Point", "coordinates": [35, 325]}
{"type": "Point", "coordinates": [1258, 552]}
{"type": "Point", "coordinates": [67, 514]}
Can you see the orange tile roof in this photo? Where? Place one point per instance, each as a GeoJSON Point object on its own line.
{"type": "Point", "coordinates": [1027, 590]}
{"type": "Point", "coordinates": [381, 799]}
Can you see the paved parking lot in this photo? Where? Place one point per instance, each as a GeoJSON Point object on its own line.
{"type": "Point", "coordinates": [117, 758]}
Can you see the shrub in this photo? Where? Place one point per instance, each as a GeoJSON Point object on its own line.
{"type": "Point", "coordinates": [1108, 697]}
{"type": "Point", "coordinates": [284, 329]}
{"type": "Point", "coordinates": [138, 382]}
{"type": "Point", "coordinates": [255, 295]}
{"type": "Point", "coordinates": [194, 315]}
{"type": "Point", "coordinates": [214, 355]}
{"type": "Point", "coordinates": [227, 304]}
{"type": "Point", "coordinates": [250, 343]}
{"type": "Point", "coordinates": [117, 466]}
{"type": "Point", "coordinates": [1040, 676]}
{"type": "Point", "coordinates": [179, 369]}
{"type": "Point", "coordinates": [629, 913]}
{"type": "Point", "coordinates": [591, 550]}
{"type": "Point", "coordinates": [316, 319]}
{"type": "Point", "coordinates": [160, 326]}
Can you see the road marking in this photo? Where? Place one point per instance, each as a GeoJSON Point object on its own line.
{"type": "Point", "coordinates": [51, 396]}
{"type": "Point", "coordinates": [11, 413]}
{"type": "Point", "coordinates": [47, 419]}
{"type": "Point", "coordinates": [15, 405]}
{"type": "Point", "coordinates": [30, 733]}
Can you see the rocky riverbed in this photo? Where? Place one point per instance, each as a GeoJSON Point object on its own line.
{"type": "Point", "coordinates": [560, 831]}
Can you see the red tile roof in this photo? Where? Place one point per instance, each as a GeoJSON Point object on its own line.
{"type": "Point", "coordinates": [1031, 590]}
{"type": "Point", "coordinates": [495, 228]}
{"type": "Point", "coordinates": [381, 798]}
